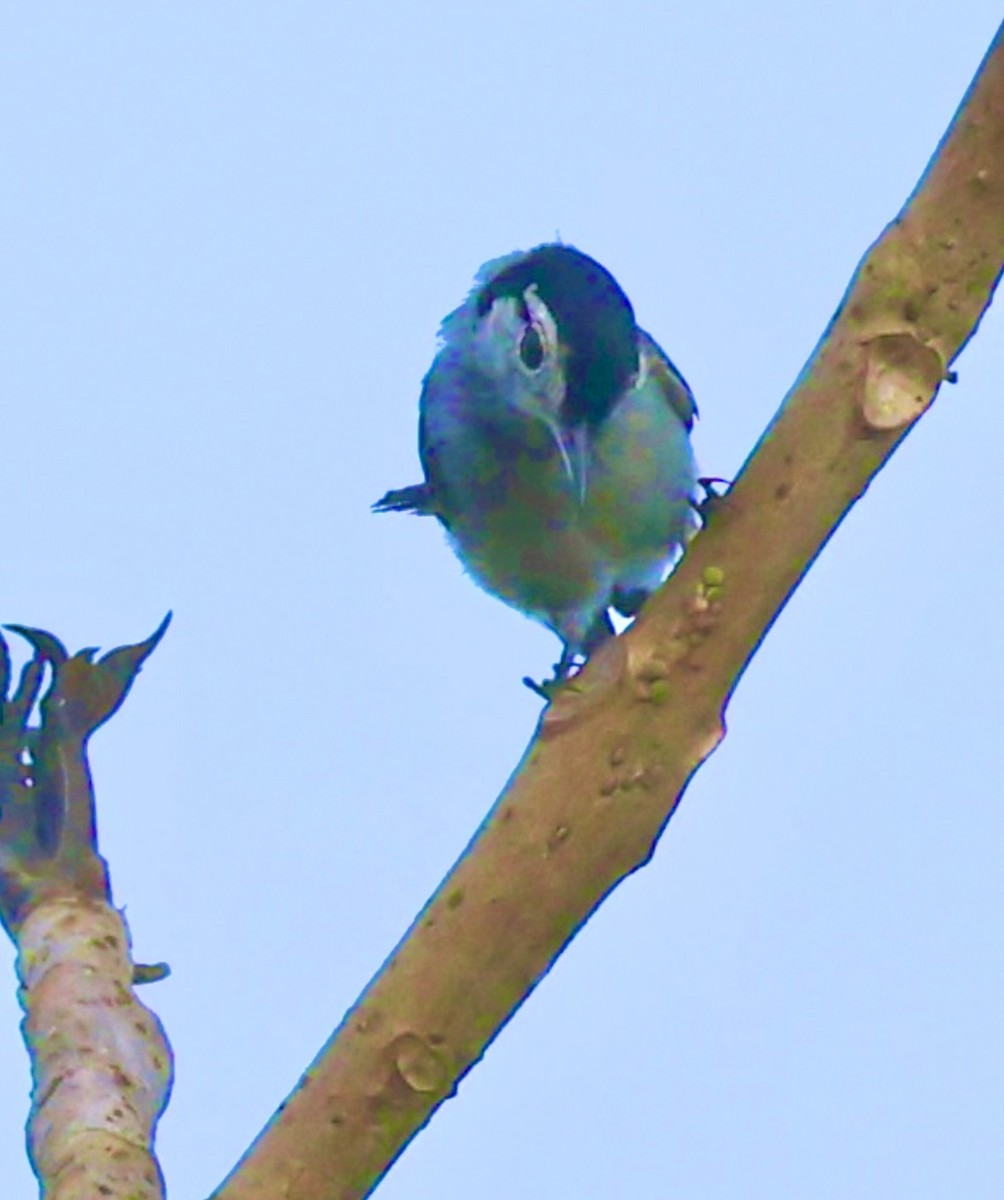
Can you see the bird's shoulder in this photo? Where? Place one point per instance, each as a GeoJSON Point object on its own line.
{"type": "Point", "coordinates": [658, 366]}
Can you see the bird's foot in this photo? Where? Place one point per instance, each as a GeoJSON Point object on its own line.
{"type": "Point", "coordinates": [546, 689]}
{"type": "Point", "coordinates": [712, 498]}
{"type": "Point", "coordinates": [565, 670]}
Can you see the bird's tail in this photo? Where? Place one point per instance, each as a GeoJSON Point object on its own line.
{"type": "Point", "coordinates": [416, 499]}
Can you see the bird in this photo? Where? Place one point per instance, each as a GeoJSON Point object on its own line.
{"type": "Point", "coordinates": [554, 437]}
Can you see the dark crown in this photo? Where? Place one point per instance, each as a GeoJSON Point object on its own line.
{"type": "Point", "coordinates": [595, 323]}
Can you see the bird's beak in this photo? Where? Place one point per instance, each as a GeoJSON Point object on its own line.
{"type": "Point", "coordinates": [575, 451]}
{"type": "Point", "coordinates": [573, 446]}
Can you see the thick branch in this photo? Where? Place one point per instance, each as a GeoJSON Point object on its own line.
{"type": "Point", "coordinates": [615, 750]}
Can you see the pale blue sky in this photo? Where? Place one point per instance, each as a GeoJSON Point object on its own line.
{"type": "Point", "coordinates": [229, 233]}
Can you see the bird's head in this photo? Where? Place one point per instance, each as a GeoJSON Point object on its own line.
{"type": "Point", "coordinates": [559, 324]}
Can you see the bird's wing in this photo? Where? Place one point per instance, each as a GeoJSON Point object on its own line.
{"type": "Point", "coordinates": [674, 387]}
{"type": "Point", "coordinates": [418, 499]}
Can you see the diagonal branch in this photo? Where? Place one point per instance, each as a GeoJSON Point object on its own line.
{"type": "Point", "coordinates": [616, 748]}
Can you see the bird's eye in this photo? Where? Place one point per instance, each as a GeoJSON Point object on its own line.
{"type": "Point", "coordinates": [531, 348]}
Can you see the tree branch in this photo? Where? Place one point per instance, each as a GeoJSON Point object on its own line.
{"type": "Point", "coordinates": [616, 748]}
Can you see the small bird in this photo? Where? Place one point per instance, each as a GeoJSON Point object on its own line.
{"type": "Point", "coordinates": [555, 439]}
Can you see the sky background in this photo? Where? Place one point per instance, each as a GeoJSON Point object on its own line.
{"type": "Point", "coordinates": [229, 232]}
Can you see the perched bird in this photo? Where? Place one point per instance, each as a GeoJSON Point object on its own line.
{"type": "Point", "coordinates": [555, 439]}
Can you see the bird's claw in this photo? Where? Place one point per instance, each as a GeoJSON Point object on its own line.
{"type": "Point", "coordinates": [565, 670]}
{"type": "Point", "coordinates": [545, 689]}
{"type": "Point", "coordinates": [712, 498]}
